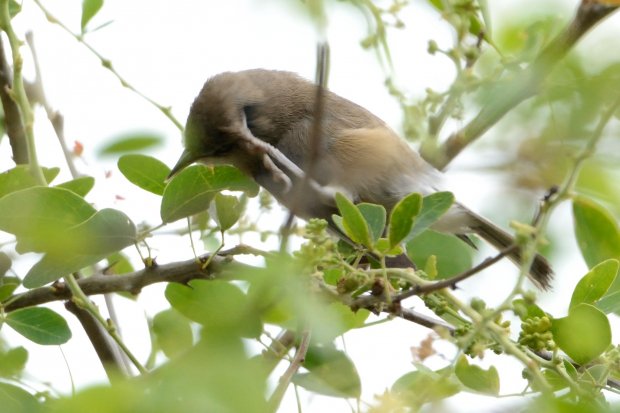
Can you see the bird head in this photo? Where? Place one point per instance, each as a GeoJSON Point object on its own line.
{"type": "Point", "coordinates": [203, 140]}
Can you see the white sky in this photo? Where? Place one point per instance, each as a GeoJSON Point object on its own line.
{"type": "Point", "coordinates": [167, 49]}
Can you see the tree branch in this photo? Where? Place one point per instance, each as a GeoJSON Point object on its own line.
{"type": "Point", "coordinates": [18, 93]}
{"type": "Point", "coordinates": [524, 85]}
{"type": "Point", "coordinates": [181, 272]}
{"type": "Point", "coordinates": [287, 376]}
{"type": "Point", "coordinates": [12, 120]}
{"type": "Point", "coordinates": [451, 282]}
{"type": "Point", "coordinates": [112, 364]}
{"type": "Point", "coordinates": [55, 117]}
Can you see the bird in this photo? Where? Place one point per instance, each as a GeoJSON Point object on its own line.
{"type": "Point", "coordinates": [238, 113]}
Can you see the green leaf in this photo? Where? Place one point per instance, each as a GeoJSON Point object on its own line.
{"type": "Point", "coordinates": [375, 216]}
{"type": "Point", "coordinates": [20, 178]}
{"type": "Point", "coordinates": [89, 10]}
{"type": "Point", "coordinates": [173, 332]}
{"type": "Point", "coordinates": [107, 231]}
{"type": "Point", "coordinates": [145, 172]}
{"type": "Point", "coordinates": [118, 263]}
{"type": "Point", "coordinates": [525, 309]}
{"type": "Point", "coordinates": [383, 247]}
{"type": "Point", "coordinates": [610, 303]}
{"type": "Point", "coordinates": [81, 186]}
{"type": "Point", "coordinates": [402, 217]}
{"type": "Point", "coordinates": [191, 191]}
{"type": "Point", "coordinates": [437, 386]}
{"type": "Point", "coordinates": [13, 362]}
{"type": "Point", "coordinates": [40, 325]}
{"type": "Point", "coordinates": [353, 221]}
{"type": "Point", "coordinates": [339, 223]}
{"type": "Point", "coordinates": [131, 142]}
{"type": "Point", "coordinates": [5, 264]}
{"type": "Point", "coordinates": [8, 285]}
{"type": "Point", "coordinates": [433, 208]}
{"type": "Point", "coordinates": [53, 267]}
{"type": "Point", "coordinates": [554, 379]}
{"type": "Point", "coordinates": [228, 210]}
{"type": "Point", "coordinates": [38, 216]}
{"type": "Point", "coordinates": [333, 320]}
{"type": "Point", "coordinates": [595, 283]}
{"type": "Point", "coordinates": [14, 8]}
{"type": "Point", "coordinates": [219, 306]}
{"type": "Point", "coordinates": [596, 231]}
{"type": "Point", "coordinates": [476, 378]}
{"type": "Point", "coordinates": [438, 4]}
{"type": "Point", "coordinates": [600, 373]}
{"type": "Point", "coordinates": [332, 373]}
{"type": "Point", "coordinates": [17, 400]}
{"type": "Point", "coordinates": [584, 334]}
{"type": "Point", "coordinates": [453, 255]}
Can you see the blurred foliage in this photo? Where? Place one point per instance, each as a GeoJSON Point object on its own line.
{"type": "Point", "coordinates": [214, 347]}
{"type": "Point", "coordinates": [131, 142]}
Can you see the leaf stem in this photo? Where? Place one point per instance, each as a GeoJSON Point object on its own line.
{"type": "Point", "coordinates": [500, 335]}
{"type": "Point", "coordinates": [287, 377]}
{"type": "Point", "coordinates": [81, 300]}
{"type": "Point", "coordinates": [106, 63]}
{"type": "Point", "coordinates": [18, 93]}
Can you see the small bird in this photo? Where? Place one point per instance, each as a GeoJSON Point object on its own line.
{"type": "Point", "coordinates": [359, 155]}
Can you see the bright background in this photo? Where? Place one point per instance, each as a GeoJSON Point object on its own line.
{"type": "Point", "coordinates": [167, 49]}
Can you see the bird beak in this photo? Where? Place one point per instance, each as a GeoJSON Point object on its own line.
{"type": "Point", "coordinates": [186, 159]}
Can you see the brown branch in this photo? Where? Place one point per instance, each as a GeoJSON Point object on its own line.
{"type": "Point", "coordinates": [112, 364]}
{"type": "Point", "coordinates": [315, 147]}
{"type": "Point", "coordinates": [287, 376]}
{"type": "Point", "coordinates": [527, 83]}
{"type": "Point", "coordinates": [181, 272]}
{"type": "Point", "coordinates": [55, 117]}
{"type": "Point", "coordinates": [417, 318]}
{"type": "Point", "coordinates": [377, 303]}
{"type": "Point", "coordinates": [451, 282]}
{"type": "Point", "coordinates": [12, 118]}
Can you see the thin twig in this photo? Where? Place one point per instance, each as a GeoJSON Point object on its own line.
{"type": "Point", "coordinates": [315, 145]}
{"type": "Point", "coordinates": [82, 301]}
{"type": "Point", "coordinates": [106, 63]}
{"type": "Point", "coordinates": [525, 84]}
{"type": "Point", "coordinates": [57, 121]}
{"type": "Point", "coordinates": [18, 93]}
{"type": "Point", "coordinates": [12, 119]}
{"type": "Point", "coordinates": [55, 117]}
{"type": "Point", "coordinates": [243, 249]}
{"type": "Point", "coordinates": [134, 282]}
{"type": "Point", "coordinates": [451, 282]}
{"type": "Point", "coordinates": [287, 376]}
{"type": "Point", "coordinates": [99, 340]}
{"type": "Point", "coordinates": [500, 335]}
{"type": "Point", "coordinates": [418, 318]}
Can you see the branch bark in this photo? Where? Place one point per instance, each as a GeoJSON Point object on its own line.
{"type": "Point", "coordinates": [12, 120]}
{"type": "Point", "coordinates": [181, 272]}
{"type": "Point", "coordinates": [112, 364]}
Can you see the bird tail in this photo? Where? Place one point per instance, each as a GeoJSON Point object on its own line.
{"type": "Point", "coordinates": [540, 271]}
